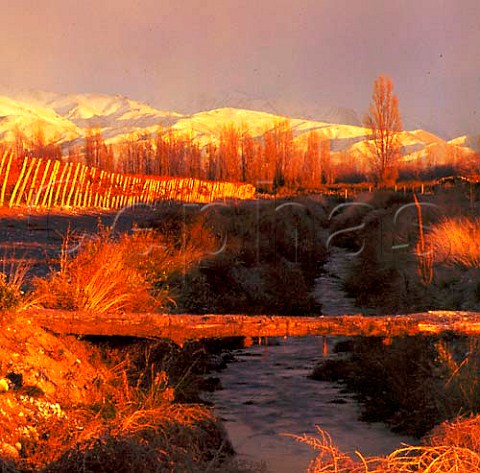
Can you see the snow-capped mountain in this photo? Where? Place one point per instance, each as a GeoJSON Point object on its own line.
{"type": "Point", "coordinates": [65, 119]}
{"type": "Point", "coordinates": [112, 114]}
{"type": "Point", "coordinates": [467, 141]}
{"type": "Point", "coordinates": [237, 99]}
{"type": "Point", "coordinates": [27, 119]}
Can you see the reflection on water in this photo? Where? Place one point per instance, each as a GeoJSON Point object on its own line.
{"type": "Point", "coordinates": [267, 394]}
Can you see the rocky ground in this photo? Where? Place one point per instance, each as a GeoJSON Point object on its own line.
{"type": "Point", "coordinates": [43, 381]}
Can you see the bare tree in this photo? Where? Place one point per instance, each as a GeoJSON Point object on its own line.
{"type": "Point", "coordinates": [385, 123]}
{"type": "Point", "coordinates": [311, 172]}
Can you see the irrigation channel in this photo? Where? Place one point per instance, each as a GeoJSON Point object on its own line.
{"type": "Point", "coordinates": [267, 394]}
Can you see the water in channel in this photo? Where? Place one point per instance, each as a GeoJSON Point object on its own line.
{"type": "Point", "coordinates": [267, 394]}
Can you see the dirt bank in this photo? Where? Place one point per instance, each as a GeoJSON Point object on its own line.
{"type": "Point", "coordinates": [68, 405]}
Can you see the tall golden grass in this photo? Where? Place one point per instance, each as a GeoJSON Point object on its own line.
{"type": "Point", "coordinates": [142, 429]}
{"type": "Point", "coordinates": [101, 276]}
{"type": "Point", "coordinates": [13, 282]}
{"type": "Point", "coordinates": [127, 273]}
{"type": "Point", "coordinates": [456, 241]}
{"type": "Point", "coordinates": [446, 452]}
{"type": "Point", "coordinates": [97, 278]}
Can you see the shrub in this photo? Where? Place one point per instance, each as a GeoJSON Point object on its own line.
{"type": "Point", "coordinates": [106, 274]}
{"type": "Point", "coordinates": [10, 295]}
{"type": "Point", "coordinates": [447, 452]}
{"type": "Point", "coordinates": [268, 264]}
{"type": "Point", "coordinates": [456, 241]}
{"type": "Point", "coordinates": [12, 282]}
{"type": "Point", "coordinates": [412, 382]}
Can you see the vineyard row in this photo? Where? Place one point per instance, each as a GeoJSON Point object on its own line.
{"type": "Point", "coordinates": [41, 183]}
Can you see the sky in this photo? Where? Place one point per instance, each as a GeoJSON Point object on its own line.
{"type": "Point", "coordinates": [297, 55]}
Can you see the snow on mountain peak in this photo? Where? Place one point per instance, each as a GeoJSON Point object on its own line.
{"type": "Point", "coordinates": [66, 117]}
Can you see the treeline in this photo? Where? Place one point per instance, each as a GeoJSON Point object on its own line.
{"type": "Point", "coordinates": [275, 159]}
{"type": "Point", "coordinates": [236, 155]}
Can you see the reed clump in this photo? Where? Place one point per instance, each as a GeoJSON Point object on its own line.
{"type": "Point", "coordinates": [450, 449]}
{"type": "Point", "coordinates": [105, 273]}
{"type": "Point", "coordinates": [456, 241]}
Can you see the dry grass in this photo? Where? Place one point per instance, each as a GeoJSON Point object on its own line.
{"type": "Point", "coordinates": [451, 450]}
{"type": "Point", "coordinates": [130, 272]}
{"type": "Point", "coordinates": [146, 431]}
{"type": "Point", "coordinates": [463, 433]}
{"type": "Point", "coordinates": [13, 280]}
{"type": "Point", "coordinates": [73, 413]}
{"type": "Point", "coordinates": [456, 241]}
{"type": "Point", "coordinates": [106, 274]}
{"type": "Point", "coordinates": [460, 392]}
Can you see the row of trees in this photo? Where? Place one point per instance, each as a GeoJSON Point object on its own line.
{"type": "Point", "coordinates": [235, 156]}
{"type": "Point", "coordinates": [238, 156]}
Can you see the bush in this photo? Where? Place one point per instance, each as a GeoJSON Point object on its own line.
{"type": "Point", "coordinates": [411, 383]}
{"type": "Point", "coordinates": [456, 241]}
{"type": "Point", "coordinates": [408, 459]}
{"type": "Point", "coordinates": [10, 294]}
{"type": "Point", "coordinates": [268, 264]}
{"type": "Point", "coordinates": [13, 278]}
{"type": "Point", "coordinates": [129, 273]}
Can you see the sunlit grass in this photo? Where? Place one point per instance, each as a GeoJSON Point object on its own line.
{"type": "Point", "coordinates": [456, 241]}
{"type": "Point", "coordinates": [107, 273]}
{"type": "Point", "coordinates": [13, 282]}
{"type": "Point", "coordinates": [443, 454]}
{"type": "Point", "coordinates": [96, 278]}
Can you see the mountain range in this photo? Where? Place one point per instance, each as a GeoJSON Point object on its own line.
{"type": "Point", "coordinates": [65, 119]}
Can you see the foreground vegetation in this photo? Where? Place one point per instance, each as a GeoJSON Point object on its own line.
{"type": "Point", "coordinates": [67, 405]}
{"type": "Point", "coordinates": [415, 257]}
{"type": "Point", "coordinates": [90, 408]}
{"type": "Point", "coordinates": [452, 447]}
{"type": "Point", "coordinates": [133, 405]}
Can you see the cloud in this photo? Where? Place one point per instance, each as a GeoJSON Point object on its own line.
{"type": "Point", "coordinates": [320, 51]}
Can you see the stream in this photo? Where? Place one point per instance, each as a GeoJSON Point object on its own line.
{"type": "Point", "coordinates": [267, 394]}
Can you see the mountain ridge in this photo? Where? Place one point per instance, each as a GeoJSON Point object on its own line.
{"type": "Point", "coordinates": [66, 118]}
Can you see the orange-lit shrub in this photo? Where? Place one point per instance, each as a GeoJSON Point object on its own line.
{"type": "Point", "coordinates": [435, 457]}
{"type": "Point", "coordinates": [456, 241]}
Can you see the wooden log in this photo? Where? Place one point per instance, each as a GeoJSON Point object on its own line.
{"type": "Point", "coordinates": [3, 160]}
{"type": "Point", "coordinates": [42, 183]}
{"type": "Point", "coordinates": [183, 327]}
{"type": "Point", "coordinates": [51, 181]}
{"type": "Point", "coordinates": [73, 184]}
{"type": "Point", "coordinates": [55, 183]}
{"type": "Point", "coordinates": [84, 203]}
{"type": "Point", "coordinates": [21, 192]}
{"type": "Point", "coordinates": [80, 186]}
{"type": "Point", "coordinates": [96, 199]}
{"type": "Point", "coordinates": [107, 203]}
{"type": "Point", "coordinates": [90, 196]}
{"type": "Point", "coordinates": [59, 185]}
{"type": "Point", "coordinates": [5, 179]}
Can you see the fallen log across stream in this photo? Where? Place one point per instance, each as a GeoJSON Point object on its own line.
{"type": "Point", "coordinates": [183, 327]}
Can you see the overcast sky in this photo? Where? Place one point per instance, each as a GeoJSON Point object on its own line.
{"type": "Point", "coordinates": [178, 54]}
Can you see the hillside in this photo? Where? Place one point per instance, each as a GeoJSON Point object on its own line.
{"type": "Point", "coordinates": [28, 118]}
{"type": "Point", "coordinates": [65, 119]}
